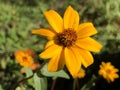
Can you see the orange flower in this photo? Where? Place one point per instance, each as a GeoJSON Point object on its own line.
{"type": "Point", "coordinates": [69, 42]}
{"type": "Point", "coordinates": [108, 71]}
{"type": "Point", "coordinates": [24, 57]}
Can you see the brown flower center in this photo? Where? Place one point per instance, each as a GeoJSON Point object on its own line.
{"type": "Point", "coordinates": [67, 38]}
{"type": "Point", "coordinates": [108, 71]}
{"type": "Point", "coordinates": [24, 58]}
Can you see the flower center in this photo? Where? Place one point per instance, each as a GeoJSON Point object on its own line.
{"type": "Point", "coordinates": [24, 58]}
{"type": "Point", "coordinates": [67, 38]}
{"type": "Point", "coordinates": [108, 71]}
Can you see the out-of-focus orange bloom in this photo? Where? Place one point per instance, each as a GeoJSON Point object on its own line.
{"type": "Point", "coordinates": [23, 58]}
{"type": "Point", "coordinates": [108, 71]}
{"type": "Point", "coordinates": [27, 58]}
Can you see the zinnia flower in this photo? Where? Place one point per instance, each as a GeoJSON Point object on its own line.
{"type": "Point", "coordinates": [24, 57]}
{"type": "Point", "coordinates": [69, 42]}
{"type": "Point", "coordinates": [108, 71]}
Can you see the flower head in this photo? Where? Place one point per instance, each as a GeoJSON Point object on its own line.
{"type": "Point", "coordinates": [69, 42]}
{"type": "Point", "coordinates": [24, 57]}
{"type": "Point", "coordinates": [108, 71]}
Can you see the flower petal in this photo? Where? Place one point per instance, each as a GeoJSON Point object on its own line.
{"type": "Point", "coordinates": [51, 51]}
{"type": "Point", "coordinates": [55, 20]}
{"type": "Point", "coordinates": [87, 57]}
{"type": "Point", "coordinates": [89, 44]}
{"type": "Point", "coordinates": [45, 32]}
{"type": "Point", "coordinates": [71, 18]}
{"type": "Point", "coordinates": [53, 63]}
{"type": "Point", "coordinates": [56, 63]}
{"type": "Point", "coordinates": [72, 62]}
{"type": "Point", "coordinates": [76, 21]}
{"type": "Point", "coordinates": [49, 43]}
{"type": "Point", "coordinates": [80, 74]}
{"type": "Point", "coordinates": [62, 60]}
{"type": "Point", "coordinates": [116, 70]}
{"type": "Point", "coordinates": [86, 30]}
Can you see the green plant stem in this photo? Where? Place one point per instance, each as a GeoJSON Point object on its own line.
{"type": "Point", "coordinates": [76, 84]}
{"type": "Point", "coordinates": [25, 79]}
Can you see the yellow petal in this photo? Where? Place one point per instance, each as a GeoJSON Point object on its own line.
{"type": "Point", "coordinates": [57, 62]}
{"type": "Point", "coordinates": [89, 44]}
{"type": "Point", "coordinates": [85, 30]}
{"type": "Point", "coordinates": [53, 50]}
{"type": "Point", "coordinates": [76, 21]}
{"type": "Point", "coordinates": [71, 18]}
{"type": "Point", "coordinates": [49, 43]}
{"type": "Point", "coordinates": [111, 78]}
{"type": "Point", "coordinates": [54, 20]}
{"type": "Point", "coordinates": [62, 60]}
{"type": "Point", "coordinates": [72, 62]}
{"type": "Point", "coordinates": [87, 57]}
{"type": "Point", "coordinates": [80, 74]}
{"type": "Point", "coordinates": [45, 32]}
{"type": "Point", "coordinates": [54, 63]}
{"type": "Point", "coordinates": [116, 70]}
{"type": "Point", "coordinates": [116, 75]}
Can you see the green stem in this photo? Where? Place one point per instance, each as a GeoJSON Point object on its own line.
{"type": "Point", "coordinates": [25, 79]}
{"type": "Point", "coordinates": [76, 84]}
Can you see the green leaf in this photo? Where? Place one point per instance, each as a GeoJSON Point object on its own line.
{"type": "Point", "coordinates": [20, 88]}
{"type": "Point", "coordinates": [40, 83]}
{"type": "Point", "coordinates": [60, 73]}
{"type": "Point", "coordinates": [3, 63]}
{"type": "Point", "coordinates": [12, 34]}
{"type": "Point", "coordinates": [28, 71]}
{"type": "Point", "coordinates": [2, 37]}
{"type": "Point", "coordinates": [1, 87]}
{"type": "Point", "coordinates": [43, 83]}
{"type": "Point", "coordinates": [37, 82]}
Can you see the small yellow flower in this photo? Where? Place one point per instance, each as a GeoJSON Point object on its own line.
{"type": "Point", "coordinates": [24, 58]}
{"type": "Point", "coordinates": [80, 74]}
{"type": "Point", "coordinates": [69, 42]}
{"type": "Point", "coordinates": [108, 71]}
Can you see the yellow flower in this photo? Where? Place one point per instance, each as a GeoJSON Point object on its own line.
{"type": "Point", "coordinates": [24, 58]}
{"type": "Point", "coordinates": [69, 42]}
{"type": "Point", "coordinates": [80, 74]}
{"type": "Point", "coordinates": [108, 71]}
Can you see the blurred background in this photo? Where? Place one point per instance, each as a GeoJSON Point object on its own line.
{"type": "Point", "coordinates": [19, 17]}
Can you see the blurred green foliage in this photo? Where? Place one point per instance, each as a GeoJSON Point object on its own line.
{"type": "Point", "coordinates": [19, 17]}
